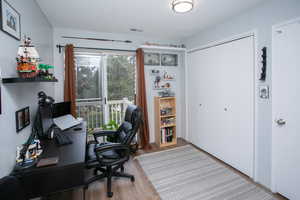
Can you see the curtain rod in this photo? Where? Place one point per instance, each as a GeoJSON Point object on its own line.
{"type": "Point", "coordinates": [97, 39]}
{"type": "Point", "coordinates": [90, 48]}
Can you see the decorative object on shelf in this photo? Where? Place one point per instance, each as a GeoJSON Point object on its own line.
{"type": "Point", "coordinates": [162, 86]}
{"type": "Point", "coordinates": [154, 72]}
{"type": "Point", "coordinates": [169, 60]}
{"type": "Point", "coordinates": [27, 59]}
{"type": "Point", "coordinates": [263, 74]}
{"type": "Point", "coordinates": [22, 119]}
{"type": "Point", "coordinates": [166, 93]}
{"type": "Point", "coordinates": [44, 71]}
{"type": "Point", "coordinates": [169, 76]}
{"type": "Point", "coordinates": [264, 92]}
{"type": "Point", "coordinates": [10, 20]}
{"type": "Point", "coordinates": [182, 6]}
{"type": "Point", "coordinates": [166, 86]}
{"type": "Point", "coordinates": [158, 85]}
{"type": "Point", "coordinates": [152, 59]}
{"type": "Point", "coordinates": [168, 121]}
{"type": "Point", "coordinates": [157, 82]}
{"type": "Point", "coordinates": [166, 111]}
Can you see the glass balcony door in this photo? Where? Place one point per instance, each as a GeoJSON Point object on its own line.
{"type": "Point", "coordinates": [105, 86]}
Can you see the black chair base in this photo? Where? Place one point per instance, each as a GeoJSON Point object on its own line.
{"type": "Point", "coordinates": [108, 173]}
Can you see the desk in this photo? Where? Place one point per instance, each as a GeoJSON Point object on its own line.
{"type": "Point", "coordinates": [67, 174]}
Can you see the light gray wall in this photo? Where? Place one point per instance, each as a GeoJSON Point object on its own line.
{"type": "Point", "coordinates": [17, 96]}
{"type": "Point", "coordinates": [260, 18]}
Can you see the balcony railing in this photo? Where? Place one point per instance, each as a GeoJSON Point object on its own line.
{"type": "Point", "coordinates": [96, 113]}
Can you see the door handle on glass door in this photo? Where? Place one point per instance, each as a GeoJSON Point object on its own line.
{"type": "Point", "coordinates": [280, 122]}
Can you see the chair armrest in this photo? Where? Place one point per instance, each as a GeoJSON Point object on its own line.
{"type": "Point", "coordinates": [103, 133]}
{"type": "Point", "coordinates": [109, 147]}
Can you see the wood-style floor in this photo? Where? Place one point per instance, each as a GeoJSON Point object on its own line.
{"type": "Point", "coordinates": [123, 189]}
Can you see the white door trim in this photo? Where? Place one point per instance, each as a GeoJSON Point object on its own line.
{"type": "Point", "coordinates": [186, 96]}
{"type": "Point", "coordinates": [256, 69]}
{"type": "Point", "coordinates": [274, 29]}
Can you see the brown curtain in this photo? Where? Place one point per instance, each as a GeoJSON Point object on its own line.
{"type": "Point", "coordinates": [141, 98]}
{"type": "Point", "coordinates": [70, 79]}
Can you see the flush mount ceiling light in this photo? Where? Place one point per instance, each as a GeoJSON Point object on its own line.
{"type": "Point", "coordinates": [182, 6]}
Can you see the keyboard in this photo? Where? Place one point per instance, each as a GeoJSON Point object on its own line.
{"type": "Point", "coordinates": [61, 139]}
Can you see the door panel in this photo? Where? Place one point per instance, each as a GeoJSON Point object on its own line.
{"type": "Point", "coordinates": [89, 94]}
{"type": "Point", "coordinates": [286, 98]}
{"type": "Point", "coordinates": [225, 87]}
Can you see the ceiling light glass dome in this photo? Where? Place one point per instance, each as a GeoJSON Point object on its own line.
{"type": "Point", "coordinates": [182, 6]}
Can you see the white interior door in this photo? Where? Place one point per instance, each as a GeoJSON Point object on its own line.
{"type": "Point", "coordinates": [286, 110]}
{"type": "Point", "coordinates": [221, 102]}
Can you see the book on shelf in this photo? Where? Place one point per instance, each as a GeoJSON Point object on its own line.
{"type": "Point", "coordinates": [166, 135]}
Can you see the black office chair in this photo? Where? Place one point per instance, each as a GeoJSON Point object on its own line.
{"type": "Point", "coordinates": [10, 189]}
{"type": "Point", "coordinates": [109, 157]}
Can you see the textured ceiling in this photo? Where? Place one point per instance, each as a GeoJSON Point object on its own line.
{"type": "Point", "coordinates": [155, 17]}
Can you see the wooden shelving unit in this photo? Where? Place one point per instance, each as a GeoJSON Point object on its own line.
{"type": "Point", "coordinates": [165, 121]}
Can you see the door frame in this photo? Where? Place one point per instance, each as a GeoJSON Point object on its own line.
{"type": "Point", "coordinates": [256, 69]}
{"type": "Point", "coordinates": [273, 174]}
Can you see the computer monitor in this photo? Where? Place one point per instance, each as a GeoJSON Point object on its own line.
{"type": "Point", "coordinates": [46, 121]}
{"type": "Point", "coordinates": [61, 109]}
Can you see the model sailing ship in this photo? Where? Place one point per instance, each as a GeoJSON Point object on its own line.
{"type": "Point", "coordinates": [27, 59]}
{"type": "Point", "coordinates": [28, 62]}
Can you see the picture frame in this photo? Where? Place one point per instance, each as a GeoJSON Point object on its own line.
{"type": "Point", "coordinates": [169, 60]}
{"type": "Point", "coordinates": [10, 20]}
{"type": "Point", "coordinates": [152, 59]}
{"type": "Point", "coordinates": [22, 119]}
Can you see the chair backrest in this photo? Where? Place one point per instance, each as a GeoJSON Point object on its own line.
{"type": "Point", "coordinates": [10, 188]}
{"type": "Point", "coordinates": [128, 129]}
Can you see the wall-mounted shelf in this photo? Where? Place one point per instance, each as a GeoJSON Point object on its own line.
{"type": "Point", "coordinates": [163, 48]}
{"type": "Point", "coordinates": [27, 80]}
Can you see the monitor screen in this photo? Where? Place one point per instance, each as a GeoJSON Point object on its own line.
{"type": "Point", "coordinates": [61, 109]}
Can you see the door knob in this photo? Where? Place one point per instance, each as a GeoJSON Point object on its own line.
{"type": "Point", "coordinates": [281, 122]}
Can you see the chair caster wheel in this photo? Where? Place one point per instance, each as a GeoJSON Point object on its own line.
{"type": "Point", "coordinates": [110, 194]}
{"type": "Point", "coordinates": [132, 179]}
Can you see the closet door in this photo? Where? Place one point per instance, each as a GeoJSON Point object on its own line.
{"type": "Point", "coordinates": [286, 110]}
{"type": "Point", "coordinates": [224, 123]}
{"type": "Point", "coordinates": [194, 83]}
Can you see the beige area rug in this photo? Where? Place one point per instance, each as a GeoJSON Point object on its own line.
{"type": "Point", "coordinates": [185, 173]}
